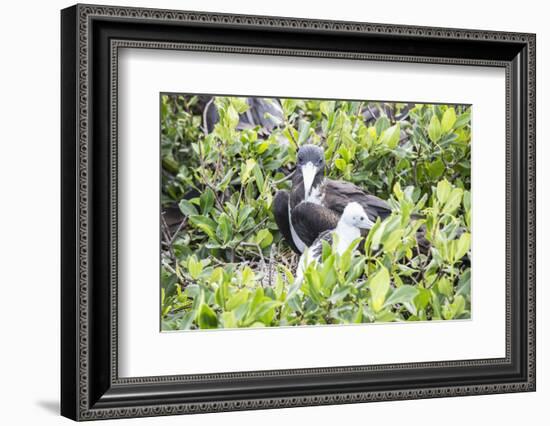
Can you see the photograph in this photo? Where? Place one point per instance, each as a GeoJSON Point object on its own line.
{"type": "Point", "coordinates": [278, 212]}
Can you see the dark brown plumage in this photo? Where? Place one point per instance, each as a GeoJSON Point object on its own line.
{"type": "Point", "coordinates": [338, 194]}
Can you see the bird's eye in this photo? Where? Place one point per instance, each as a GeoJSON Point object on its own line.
{"type": "Point", "coordinates": [362, 218]}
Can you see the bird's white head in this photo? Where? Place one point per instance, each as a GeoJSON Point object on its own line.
{"type": "Point", "coordinates": [354, 215]}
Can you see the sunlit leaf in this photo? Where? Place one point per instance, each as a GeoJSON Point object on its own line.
{"type": "Point", "coordinates": [390, 136]}
{"type": "Point", "coordinates": [207, 317]}
{"type": "Point", "coordinates": [434, 129]}
{"type": "Point", "coordinates": [194, 266]}
{"type": "Point", "coordinates": [463, 245]}
{"type": "Point", "coordinates": [448, 120]}
{"type": "Point", "coordinates": [379, 285]}
{"type": "Point", "coordinates": [443, 191]}
{"type": "Point", "coordinates": [405, 293]}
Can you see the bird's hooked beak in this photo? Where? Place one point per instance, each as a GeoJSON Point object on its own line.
{"type": "Point", "coordinates": [366, 224]}
{"type": "Point", "coordinates": [308, 172]}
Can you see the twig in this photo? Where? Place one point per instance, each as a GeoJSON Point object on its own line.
{"type": "Point", "coordinates": [178, 229]}
{"type": "Point", "coordinates": [287, 177]}
{"type": "Point", "coordinates": [164, 229]}
{"type": "Point", "coordinates": [249, 233]}
{"type": "Point", "coordinates": [175, 272]}
{"type": "Point", "coordinates": [257, 246]}
{"type": "Point", "coordinates": [287, 125]}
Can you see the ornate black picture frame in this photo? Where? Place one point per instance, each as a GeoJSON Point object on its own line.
{"type": "Point", "coordinates": [91, 36]}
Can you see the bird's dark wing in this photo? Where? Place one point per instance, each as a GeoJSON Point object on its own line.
{"type": "Point", "coordinates": [339, 193]}
{"type": "Point", "coordinates": [310, 220]}
{"type": "Point", "coordinates": [280, 211]}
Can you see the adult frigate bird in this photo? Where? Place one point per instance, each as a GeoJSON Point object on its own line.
{"type": "Point", "coordinates": [315, 203]}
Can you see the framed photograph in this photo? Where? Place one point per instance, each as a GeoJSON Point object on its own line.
{"type": "Point", "coordinates": [263, 212]}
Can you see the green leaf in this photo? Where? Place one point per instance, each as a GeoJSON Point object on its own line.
{"type": "Point", "coordinates": [187, 320]}
{"type": "Point", "coordinates": [263, 238]}
{"type": "Point", "coordinates": [257, 299]}
{"type": "Point", "coordinates": [457, 307]}
{"type": "Point", "coordinates": [328, 275]}
{"type": "Point", "coordinates": [246, 169]}
{"type": "Point", "coordinates": [346, 154]}
{"type": "Point", "coordinates": [390, 136]}
{"type": "Point", "coordinates": [207, 317]}
{"type": "Point", "coordinates": [382, 124]}
{"type": "Point", "coordinates": [222, 185]}
{"type": "Point", "coordinates": [434, 129]}
{"type": "Point", "coordinates": [422, 299]}
{"type": "Point", "coordinates": [443, 190]}
{"type": "Point", "coordinates": [237, 299]}
{"type": "Point", "coordinates": [224, 229]}
{"type": "Point", "coordinates": [187, 208]}
{"type": "Point", "coordinates": [243, 214]}
{"type": "Point", "coordinates": [467, 200]}
{"type": "Point", "coordinates": [404, 294]}
{"type": "Point", "coordinates": [207, 201]}
{"type": "Point", "coordinates": [445, 287]}
{"type": "Point", "coordinates": [462, 246]}
{"type": "Point", "coordinates": [392, 240]}
{"type": "Point", "coordinates": [379, 285]}
{"type": "Point", "coordinates": [377, 231]}
{"type": "Point", "coordinates": [248, 276]}
{"type": "Point", "coordinates": [327, 107]}
{"type": "Point", "coordinates": [240, 104]}
{"type": "Point", "coordinates": [436, 168]}
{"type": "Point", "coordinates": [258, 177]}
{"type": "Point", "coordinates": [448, 120]}
{"type": "Point", "coordinates": [220, 295]}
{"type": "Point", "coordinates": [340, 164]}
{"type": "Point", "coordinates": [340, 293]}
{"type": "Point", "coordinates": [462, 120]}
{"type": "Point", "coordinates": [464, 284]}
{"type": "Point", "coordinates": [327, 250]}
{"type": "Point", "coordinates": [232, 117]}
{"type": "Point", "coordinates": [229, 320]}
{"type": "Point", "coordinates": [205, 224]}
{"type": "Point", "coordinates": [312, 285]}
{"type": "Point", "coordinates": [453, 201]}
{"type": "Point", "coordinates": [398, 191]}
{"type": "Point", "coordinates": [194, 267]}
{"type": "Point", "coordinates": [304, 132]}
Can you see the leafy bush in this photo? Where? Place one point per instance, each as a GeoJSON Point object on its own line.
{"type": "Point", "coordinates": [224, 262]}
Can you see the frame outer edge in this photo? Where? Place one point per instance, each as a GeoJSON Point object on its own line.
{"type": "Point", "coordinates": [531, 213]}
{"type": "Point", "coordinates": [69, 191]}
{"type": "Point", "coordinates": [80, 318]}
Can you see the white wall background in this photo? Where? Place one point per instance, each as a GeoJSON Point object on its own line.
{"type": "Point", "coordinates": [29, 211]}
